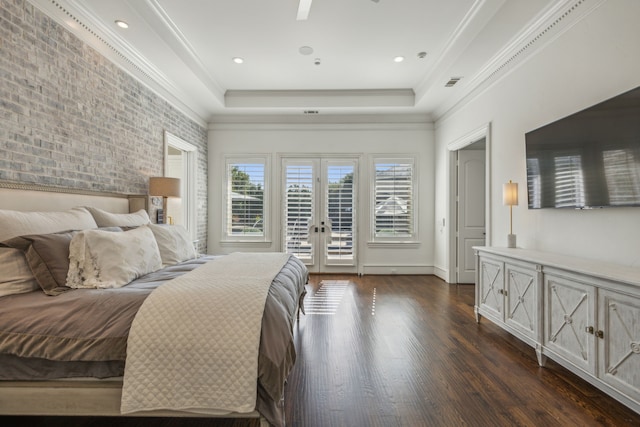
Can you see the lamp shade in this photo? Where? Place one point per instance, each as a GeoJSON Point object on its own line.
{"type": "Point", "coordinates": [510, 194]}
{"type": "Point", "coordinates": [164, 186]}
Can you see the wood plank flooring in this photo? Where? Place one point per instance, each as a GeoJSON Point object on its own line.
{"type": "Point", "coordinates": [406, 351]}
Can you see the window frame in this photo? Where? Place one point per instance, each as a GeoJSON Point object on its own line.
{"type": "Point", "coordinates": [412, 237]}
{"type": "Point", "coordinates": [235, 159]}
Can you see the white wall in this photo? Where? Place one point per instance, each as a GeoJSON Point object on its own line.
{"type": "Point", "coordinates": [378, 135]}
{"type": "Point", "coordinates": [597, 58]}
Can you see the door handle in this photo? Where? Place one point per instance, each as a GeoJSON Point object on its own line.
{"type": "Point", "coordinates": [315, 229]}
{"type": "Point", "coordinates": [321, 230]}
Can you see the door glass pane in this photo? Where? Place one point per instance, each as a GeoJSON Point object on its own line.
{"type": "Point", "coordinates": [339, 211]}
{"type": "Point", "coordinates": [298, 210]}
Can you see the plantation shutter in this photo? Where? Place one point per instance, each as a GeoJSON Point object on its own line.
{"type": "Point", "coordinates": [339, 207]}
{"type": "Point", "coordinates": [298, 209]}
{"type": "Point", "coordinates": [245, 196]}
{"type": "Point", "coordinates": [393, 195]}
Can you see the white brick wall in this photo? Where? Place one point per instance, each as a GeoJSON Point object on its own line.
{"type": "Point", "coordinates": [71, 118]}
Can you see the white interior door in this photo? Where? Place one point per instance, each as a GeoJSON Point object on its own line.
{"type": "Point", "coordinates": [319, 215]}
{"type": "Point", "coordinates": [471, 211]}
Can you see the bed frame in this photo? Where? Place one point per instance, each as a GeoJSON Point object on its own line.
{"type": "Point", "coordinates": [76, 397]}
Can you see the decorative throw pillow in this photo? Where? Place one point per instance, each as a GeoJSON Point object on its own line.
{"type": "Point", "coordinates": [101, 259]}
{"type": "Point", "coordinates": [47, 256]}
{"type": "Point", "coordinates": [108, 219]}
{"type": "Point", "coordinates": [18, 223]}
{"type": "Point", "coordinates": [15, 275]}
{"type": "Point", "coordinates": [174, 243]}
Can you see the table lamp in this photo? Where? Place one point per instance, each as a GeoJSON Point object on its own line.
{"type": "Point", "coordinates": [164, 187]}
{"type": "Point", "coordinates": [510, 198]}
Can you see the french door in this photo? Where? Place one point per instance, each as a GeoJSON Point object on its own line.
{"type": "Point", "coordinates": [319, 212]}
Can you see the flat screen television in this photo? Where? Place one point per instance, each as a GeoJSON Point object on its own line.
{"type": "Point", "coordinates": [590, 159]}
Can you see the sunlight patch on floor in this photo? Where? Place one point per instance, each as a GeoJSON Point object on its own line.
{"type": "Point", "coordinates": [327, 298]}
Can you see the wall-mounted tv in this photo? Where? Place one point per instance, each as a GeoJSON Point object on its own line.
{"type": "Point", "coordinates": [590, 159]}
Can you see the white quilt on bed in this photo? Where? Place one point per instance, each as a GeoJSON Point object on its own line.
{"type": "Point", "coordinates": [193, 346]}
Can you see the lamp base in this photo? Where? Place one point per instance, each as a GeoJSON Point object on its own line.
{"type": "Point", "coordinates": [511, 240]}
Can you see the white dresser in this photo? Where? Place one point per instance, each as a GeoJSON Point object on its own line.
{"type": "Point", "coordinates": [583, 314]}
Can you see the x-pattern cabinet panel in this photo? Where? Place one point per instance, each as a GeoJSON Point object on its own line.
{"type": "Point", "coordinates": [619, 318]}
{"type": "Point", "coordinates": [583, 314]}
{"type": "Point", "coordinates": [491, 289]}
{"type": "Point", "coordinates": [521, 299]}
{"type": "Point", "coordinates": [508, 294]}
{"type": "Point", "coordinates": [569, 321]}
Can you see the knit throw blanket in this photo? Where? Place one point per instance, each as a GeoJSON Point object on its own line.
{"type": "Point", "coordinates": [193, 345]}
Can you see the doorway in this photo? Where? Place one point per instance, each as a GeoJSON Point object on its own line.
{"type": "Point", "coordinates": [461, 265]}
{"type": "Point", "coordinates": [181, 160]}
{"type": "Point", "coordinates": [319, 212]}
{"type": "Point", "coordinates": [470, 223]}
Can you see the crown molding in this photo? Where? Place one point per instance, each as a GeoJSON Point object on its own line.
{"type": "Point", "coordinates": [73, 16]}
{"type": "Point", "coordinates": [322, 122]}
{"type": "Point", "coordinates": [170, 33]}
{"type": "Point", "coordinates": [319, 98]}
{"type": "Point", "coordinates": [474, 20]}
{"type": "Point", "coordinates": [556, 19]}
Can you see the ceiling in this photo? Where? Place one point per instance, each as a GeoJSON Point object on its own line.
{"type": "Point", "coordinates": [184, 50]}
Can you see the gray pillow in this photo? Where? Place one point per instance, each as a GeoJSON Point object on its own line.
{"type": "Point", "coordinates": [48, 257]}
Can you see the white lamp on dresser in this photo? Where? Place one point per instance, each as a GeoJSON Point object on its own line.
{"type": "Point", "coordinates": [510, 198]}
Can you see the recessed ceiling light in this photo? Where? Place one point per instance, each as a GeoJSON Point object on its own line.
{"type": "Point", "coordinates": [305, 50]}
{"type": "Point", "coordinates": [238, 60]}
{"type": "Point", "coordinates": [122, 24]}
{"type": "Point", "coordinates": [398, 59]}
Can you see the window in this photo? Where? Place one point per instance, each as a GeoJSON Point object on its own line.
{"type": "Point", "coordinates": [393, 199]}
{"type": "Point", "coordinates": [246, 199]}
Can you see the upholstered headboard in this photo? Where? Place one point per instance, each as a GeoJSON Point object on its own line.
{"type": "Point", "coordinates": [29, 197]}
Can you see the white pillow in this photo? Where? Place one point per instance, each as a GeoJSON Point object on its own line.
{"type": "Point", "coordinates": [15, 274]}
{"type": "Point", "coordinates": [108, 219]}
{"type": "Point", "coordinates": [18, 223]}
{"type": "Point", "coordinates": [174, 243]}
{"type": "Point", "coordinates": [102, 259]}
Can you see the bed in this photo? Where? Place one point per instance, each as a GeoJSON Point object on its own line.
{"type": "Point", "coordinates": [199, 328]}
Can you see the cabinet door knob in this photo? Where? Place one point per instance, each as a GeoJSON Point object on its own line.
{"type": "Point", "coordinates": [600, 334]}
{"type": "Point", "coordinates": [589, 329]}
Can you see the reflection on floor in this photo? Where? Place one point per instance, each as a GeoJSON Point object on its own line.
{"type": "Point", "coordinates": [327, 298]}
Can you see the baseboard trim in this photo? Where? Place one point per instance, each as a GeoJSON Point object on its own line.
{"type": "Point", "coordinates": [441, 273]}
{"type": "Point", "coordinates": [396, 269]}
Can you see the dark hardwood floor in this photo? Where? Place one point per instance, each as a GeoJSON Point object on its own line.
{"type": "Point", "coordinates": [406, 351]}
